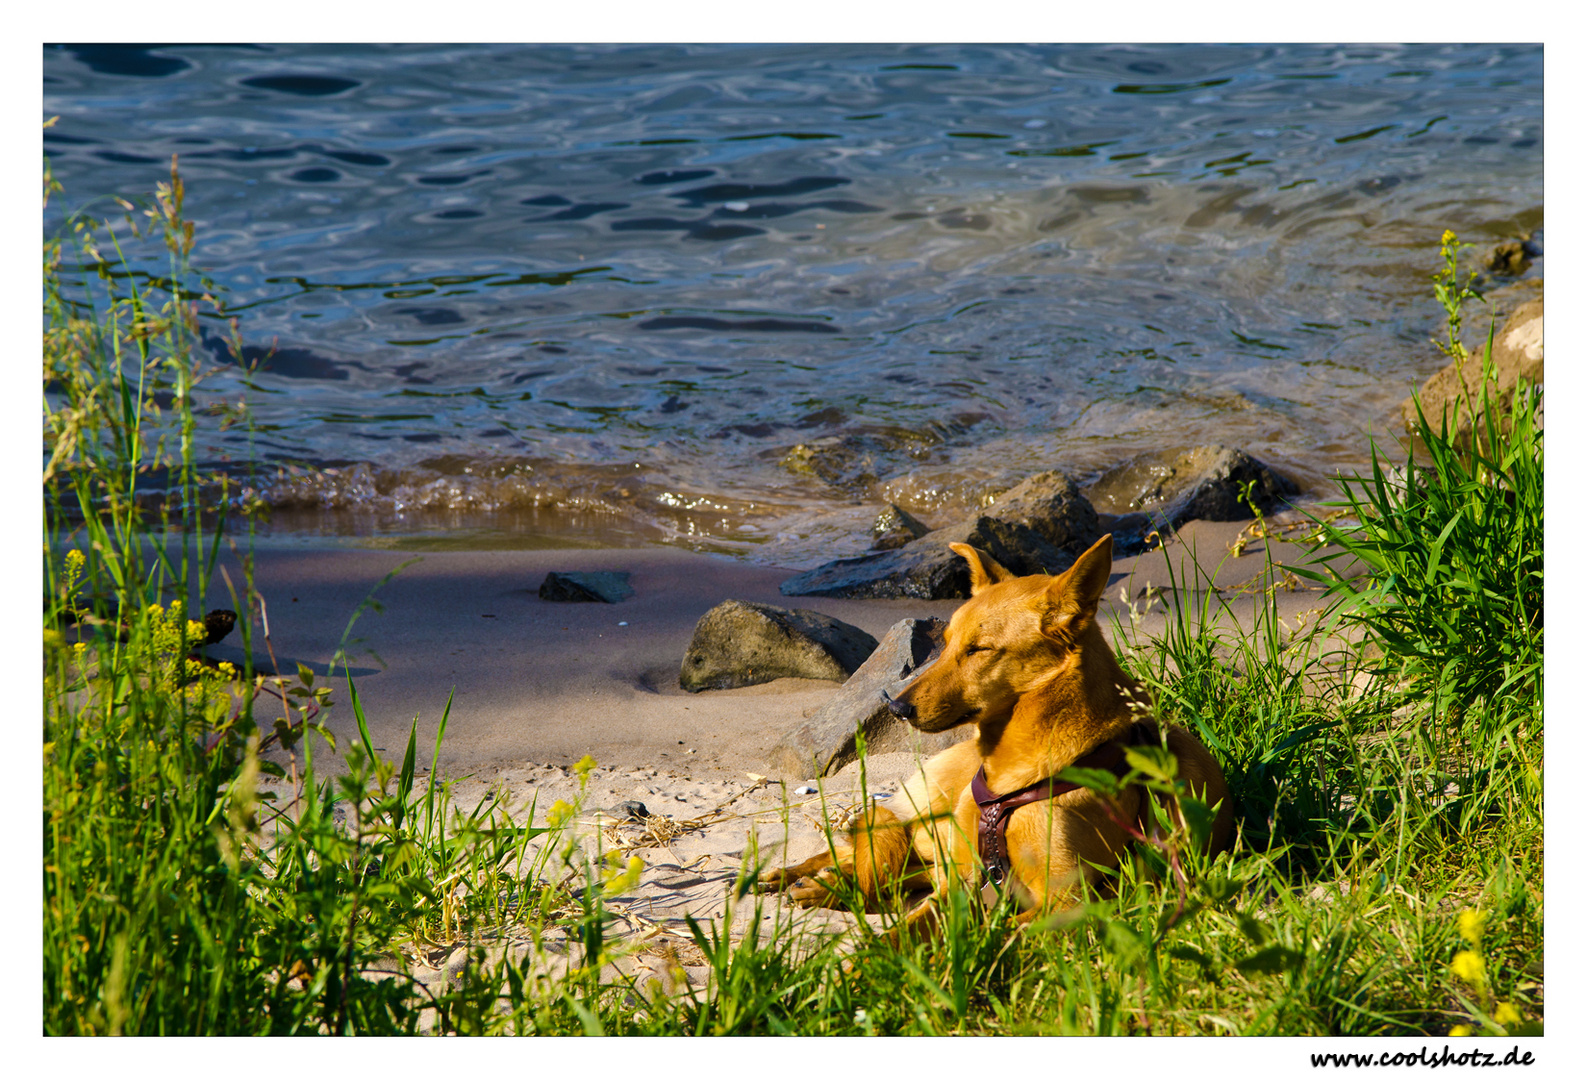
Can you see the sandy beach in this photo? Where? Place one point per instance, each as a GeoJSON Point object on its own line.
{"type": "Point", "coordinates": [537, 685]}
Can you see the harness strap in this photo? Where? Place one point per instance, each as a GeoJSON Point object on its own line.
{"type": "Point", "coordinates": [992, 827]}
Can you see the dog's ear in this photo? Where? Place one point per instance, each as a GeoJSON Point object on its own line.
{"type": "Point", "coordinates": [984, 570]}
{"type": "Point", "coordinates": [1073, 595]}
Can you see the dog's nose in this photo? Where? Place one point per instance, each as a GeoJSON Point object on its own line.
{"type": "Point", "coordinates": [900, 709]}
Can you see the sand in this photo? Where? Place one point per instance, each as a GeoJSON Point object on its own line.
{"type": "Point", "coordinates": [538, 685]}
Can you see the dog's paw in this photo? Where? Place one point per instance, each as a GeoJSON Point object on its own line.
{"type": "Point", "coordinates": [776, 880]}
{"type": "Point", "coordinates": [817, 891]}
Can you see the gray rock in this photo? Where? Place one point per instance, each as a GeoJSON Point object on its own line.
{"type": "Point", "coordinates": [895, 527]}
{"type": "Point", "coordinates": [1202, 483]}
{"type": "Point", "coordinates": [591, 586]}
{"type": "Point", "coordinates": [738, 643]}
{"type": "Point", "coordinates": [1052, 505]}
{"type": "Point", "coordinates": [825, 743]}
{"type": "Point", "coordinates": [926, 569]}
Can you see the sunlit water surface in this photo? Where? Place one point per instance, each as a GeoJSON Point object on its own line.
{"type": "Point", "coordinates": [599, 295]}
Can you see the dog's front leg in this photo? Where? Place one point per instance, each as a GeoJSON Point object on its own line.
{"type": "Point", "coordinates": [784, 876]}
{"type": "Point", "coordinates": [812, 883]}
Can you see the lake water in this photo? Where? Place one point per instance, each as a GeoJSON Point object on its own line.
{"type": "Point", "coordinates": [537, 295]}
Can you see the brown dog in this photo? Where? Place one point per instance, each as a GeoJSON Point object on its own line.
{"type": "Point", "coordinates": [1025, 661]}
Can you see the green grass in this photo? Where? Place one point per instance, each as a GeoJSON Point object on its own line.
{"type": "Point", "coordinates": [178, 898]}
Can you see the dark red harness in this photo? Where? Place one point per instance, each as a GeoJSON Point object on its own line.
{"type": "Point", "coordinates": [992, 828]}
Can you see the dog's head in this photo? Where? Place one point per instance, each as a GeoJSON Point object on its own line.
{"type": "Point", "coordinates": [1011, 635]}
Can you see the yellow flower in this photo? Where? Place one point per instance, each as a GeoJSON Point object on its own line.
{"type": "Point", "coordinates": [585, 766]}
{"type": "Point", "coordinates": [1506, 1014]}
{"type": "Point", "coordinates": [1471, 924]}
{"type": "Point", "coordinates": [560, 811]}
{"type": "Point", "coordinates": [1467, 967]}
{"type": "Point", "coordinates": [1460, 1029]}
{"type": "Point", "coordinates": [617, 883]}
{"type": "Point", "coordinates": [1448, 237]}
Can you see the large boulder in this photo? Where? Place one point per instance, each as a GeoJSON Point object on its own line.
{"type": "Point", "coordinates": [825, 743]}
{"type": "Point", "coordinates": [1051, 505]}
{"type": "Point", "coordinates": [926, 569]}
{"type": "Point", "coordinates": [1517, 354]}
{"type": "Point", "coordinates": [1202, 483]}
{"type": "Point", "coordinates": [738, 643]}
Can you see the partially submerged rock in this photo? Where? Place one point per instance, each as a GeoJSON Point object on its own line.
{"type": "Point", "coordinates": [1513, 257]}
{"type": "Point", "coordinates": [1517, 354]}
{"type": "Point", "coordinates": [854, 461]}
{"type": "Point", "coordinates": [895, 527]}
{"type": "Point", "coordinates": [1509, 258]}
{"type": "Point", "coordinates": [738, 643]}
{"type": "Point", "coordinates": [591, 586]}
{"type": "Point", "coordinates": [1203, 483]}
{"type": "Point", "coordinates": [926, 569]}
{"type": "Point", "coordinates": [844, 461]}
{"type": "Point", "coordinates": [825, 743]}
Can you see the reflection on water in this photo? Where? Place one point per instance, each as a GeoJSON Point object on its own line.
{"type": "Point", "coordinates": [734, 297]}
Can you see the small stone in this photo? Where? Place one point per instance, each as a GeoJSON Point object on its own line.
{"type": "Point", "coordinates": [805, 790]}
{"type": "Point", "coordinates": [590, 586]}
{"type": "Point", "coordinates": [217, 624]}
{"type": "Point", "coordinates": [738, 643]}
{"type": "Point", "coordinates": [632, 808]}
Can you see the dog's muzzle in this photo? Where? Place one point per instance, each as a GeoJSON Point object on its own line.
{"type": "Point", "coordinates": [900, 709]}
{"type": "Point", "coordinates": [906, 711]}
